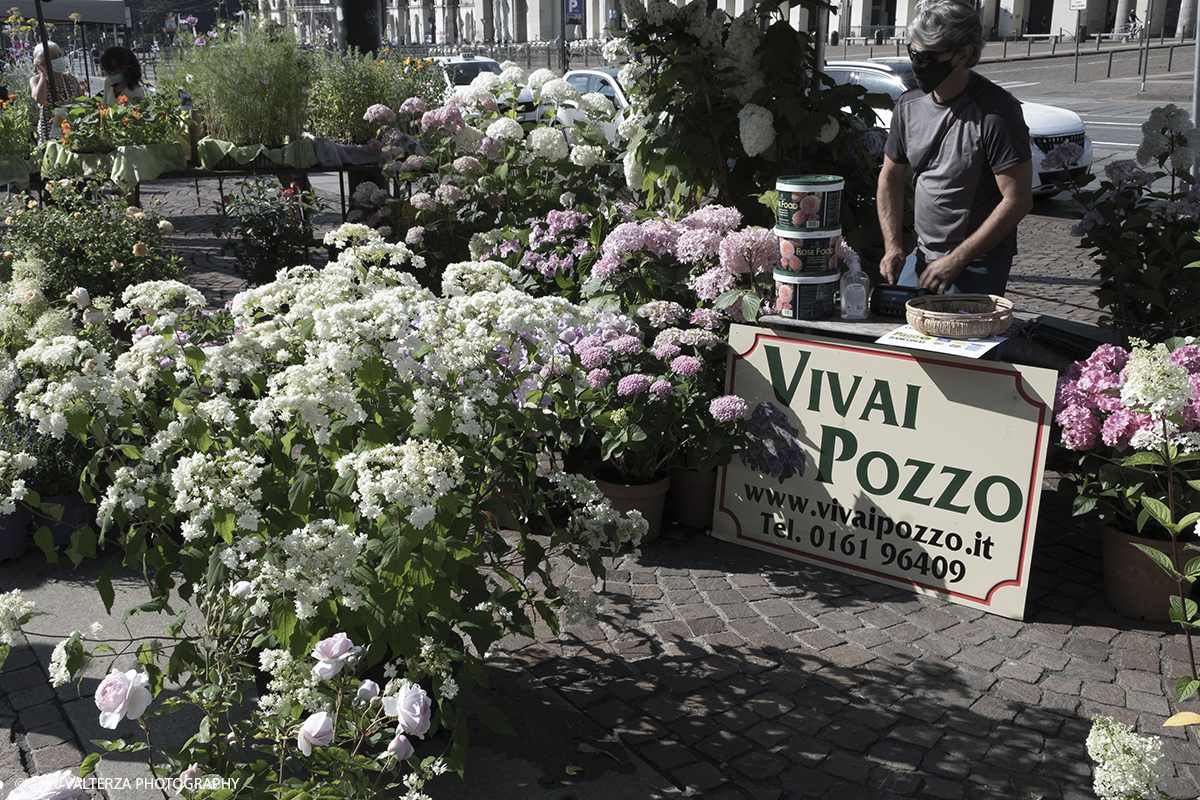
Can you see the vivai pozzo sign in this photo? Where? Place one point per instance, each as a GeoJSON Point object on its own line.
{"type": "Point", "coordinates": [918, 470]}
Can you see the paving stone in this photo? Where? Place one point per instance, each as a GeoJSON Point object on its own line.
{"type": "Point", "coordinates": [667, 754]}
{"type": "Point", "coordinates": [699, 777]}
{"type": "Point", "coordinates": [942, 789]}
{"type": "Point", "coordinates": [846, 766]}
{"type": "Point", "coordinates": [692, 729]}
{"type": "Point", "coordinates": [769, 705]}
{"type": "Point", "coordinates": [896, 755]}
{"type": "Point", "coordinates": [1104, 693]}
{"type": "Point", "coordinates": [1061, 684]}
{"type": "Point", "coordinates": [806, 781]}
{"type": "Point", "coordinates": [772, 732]}
{"type": "Point", "coordinates": [630, 689]}
{"type": "Point", "coordinates": [849, 656]}
{"type": "Point", "coordinates": [723, 745]}
{"type": "Point", "coordinates": [849, 735]}
{"type": "Point", "coordinates": [1152, 703]}
{"type": "Point", "coordinates": [640, 730]}
{"type": "Point", "coordinates": [760, 766]}
{"type": "Point", "coordinates": [934, 620]}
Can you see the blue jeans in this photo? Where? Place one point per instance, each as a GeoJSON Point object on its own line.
{"type": "Point", "coordinates": [980, 277]}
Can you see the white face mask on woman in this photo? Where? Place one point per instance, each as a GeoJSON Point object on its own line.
{"type": "Point", "coordinates": [58, 64]}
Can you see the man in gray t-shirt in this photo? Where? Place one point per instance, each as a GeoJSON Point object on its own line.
{"type": "Point", "coordinates": [968, 145]}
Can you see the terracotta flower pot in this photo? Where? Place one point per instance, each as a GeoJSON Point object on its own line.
{"type": "Point", "coordinates": [1134, 585]}
{"type": "Point", "coordinates": [692, 497]}
{"type": "Point", "coordinates": [646, 497]}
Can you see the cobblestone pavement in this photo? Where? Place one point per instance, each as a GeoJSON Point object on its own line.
{"type": "Point", "coordinates": [737, 674]}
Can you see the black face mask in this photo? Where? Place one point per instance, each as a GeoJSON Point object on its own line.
{"type": "Point", "coordinates": [931, 76]}
{"type": "Point", "coordinates": [928, 70]}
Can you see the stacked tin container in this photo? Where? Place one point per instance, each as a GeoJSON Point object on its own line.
{"type": "Point", "coordinates": [808, 231]}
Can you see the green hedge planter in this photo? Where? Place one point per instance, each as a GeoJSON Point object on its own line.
{"type": "Point", "coordinates": [16, 170]}
{"type": "Point", "coordinates": [216, 154]}
{"type": "Point", "coordinates": [125, 166]}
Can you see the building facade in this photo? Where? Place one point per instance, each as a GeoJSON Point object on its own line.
{"type": "Point", "coordinates": [466, 22]}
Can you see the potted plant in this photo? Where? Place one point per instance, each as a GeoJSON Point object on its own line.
{"type": "Point", "coordinates": [1142, 238]}
{"type": "Point", "coordinates": [133, 140]}
{"type": "Point", "coordinates": [248, 81]}
{"type": "Point", "coordinates": [18, 118]}
{"type": "Point", "coordinates": [1130, 420]}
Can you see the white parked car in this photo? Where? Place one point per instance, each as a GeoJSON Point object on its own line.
{"type": "Point", "coordinates": [466, 67]}
{"type": "Point", "coordinates": [1049, 126]}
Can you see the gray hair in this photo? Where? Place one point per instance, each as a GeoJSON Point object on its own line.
{"type": "Point", "coordinates": [39, 55]}
{"type": "Point", "coordinates": [948, 25]}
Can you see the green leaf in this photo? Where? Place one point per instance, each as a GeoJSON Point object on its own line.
{"type": "Point", "coordinates": [89, 764]}
{"type": "Point", "coordinates": [1185, 687]}
{"type": "Point", "coordinates": [155, 605]}
{"type": "Point", "coordinates": [495, 719]}
{"type": "Point", "coordinates": [1143, 458]}
{"type": "Point", "coordinates": [1157, 509]}
{"type": "Point", "coordinates": [301, 491]}
{"type": "Point", "coordinates": [105, 588]}
{"type": "Point", "coordinates": [1160, 558]}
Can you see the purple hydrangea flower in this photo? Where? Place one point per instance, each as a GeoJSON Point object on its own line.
{"type": "Point", "coordinates": [595, 357]}
{"type": "Point", "coordinates": [490, 147]}
{"type": "Point", "coordinates": [686, 365]}
{"type": "Point", "coordinates": [626, 345]}
{"type": "Point", "coordinates": [379, 113]}
{"type": "Point", "coordinates": [415, 235]}
{"type": "Point", "coordinates": [607, 266]}
{"type": "Point", "coordinates": [727, 408]}
{"type": "Point", "coordinates": [632, 384]}
{"type": "Point", "coordinates": [661, 387]}
{"type": "Point", "coordinates": [413, 105]}
{"type": "Point", "coordinates": [598, 377]}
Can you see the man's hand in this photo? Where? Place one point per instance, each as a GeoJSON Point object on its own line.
{"type": "Point", "coordinates": [939, 275]}
{"type": "Point", "coordinates": [891, 266]}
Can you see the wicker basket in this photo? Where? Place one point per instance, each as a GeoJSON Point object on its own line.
{"type": "Point", "coordinates": [960, 316]}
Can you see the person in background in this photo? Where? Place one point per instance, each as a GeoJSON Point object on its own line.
{"type": "Point", "coordinates": [66, 88]}
{"type": "Point", "coordinates": [123, 75]}
{"type": "Point", "coordinates": [122, 78]}
{"type": "Point", "coordinates": [968, 145]}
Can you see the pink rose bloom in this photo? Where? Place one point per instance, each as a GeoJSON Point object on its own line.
{"type": "Point", "coordinates": [411, 706]}
{"type": "Point", "coordinates": [61, 785]}
{"type": "Point", "coordinates": [121, 695]}
{"type": "Point", "coordinates": [332, 654]}
{"type": "Point", "coordinates": [191, 776]}
{"type": "Point", "coordinates": [400, 747]}
{"type": "Point", "coordinates": [316, 730]}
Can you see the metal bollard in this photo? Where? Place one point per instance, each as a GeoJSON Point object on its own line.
{"type": "Point", "coordinates": [1170, 56]}
{"type": "Point", "coordinates": [1110, 55]}
{"type": "Point", "coordinates": [1029, 48]}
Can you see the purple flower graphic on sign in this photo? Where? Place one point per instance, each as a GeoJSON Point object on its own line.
{"type": "Point", "coordinates": [773, 446]}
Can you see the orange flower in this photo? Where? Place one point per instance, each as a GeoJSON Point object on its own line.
{"type": "Point", "coordinates": [66, 126]}
{"type": "Point", "coordinates": [123, 99]}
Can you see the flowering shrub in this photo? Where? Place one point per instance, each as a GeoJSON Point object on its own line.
{"type": "Point", "coordinates": [481, 170]}
{"type": "Point", "coordinates": [1133, 418]}
{"type": "Point", "coordinates": [1127, 765]}
{"type": "Point", "coordinates": [1144, 240]}
{"type": "Point", "coordinates": [346, 85]}
{"type": "Point", "coordinates": [89, 238]}
{"type": "Point", "coordinates": [248, 79]}
{"type": "Point", "coordinates": [721, 110]}
{"type": "Point", "coordinates": [18, 123]}
{"type": "Point", "coordinates": [269, 226]}
{"type": "Point", "coordinates": [93, 127]}
{"type": "Point", "coordinates": [326, 458]}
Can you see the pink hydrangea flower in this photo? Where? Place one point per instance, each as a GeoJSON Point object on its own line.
{"type": "Point", "coordinates": [632, 385]}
